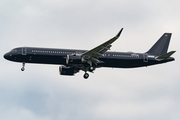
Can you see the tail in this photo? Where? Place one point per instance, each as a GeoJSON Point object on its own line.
{"type": "Point", "coordinates": [161, 46]}
{"type": "Point", "coordinates": [165, 56]}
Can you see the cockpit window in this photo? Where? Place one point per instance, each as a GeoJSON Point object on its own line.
{"type": "Point", "coordinates": [14, 50]}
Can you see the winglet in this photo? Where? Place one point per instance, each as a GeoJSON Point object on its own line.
{"type": "Point", "coordinates": [165, 56]}
{"type": "Point", "coordinates": [117, 36]}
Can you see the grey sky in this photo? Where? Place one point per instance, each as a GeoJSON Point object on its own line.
{"type": "Point", "coordinates": [40, 93]}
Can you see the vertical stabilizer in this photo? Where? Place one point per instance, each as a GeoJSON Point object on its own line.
{"type": "Point", "coordinates": [161, 46]}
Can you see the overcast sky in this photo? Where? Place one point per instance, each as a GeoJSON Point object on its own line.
{"type": "Point", "coordinates": [40, 93]}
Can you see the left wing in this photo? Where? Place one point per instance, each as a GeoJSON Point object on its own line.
{"type": "Point", "coordinates": [94, 54]}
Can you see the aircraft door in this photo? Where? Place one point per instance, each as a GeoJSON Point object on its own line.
{"type": "Point", "coordinates": [145, 58]}
{"type": "Point", "coordinates": [24, 51]}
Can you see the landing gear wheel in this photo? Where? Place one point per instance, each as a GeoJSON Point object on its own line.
{"type": "Point", "coordinates": [91, 68]}
{"type": "Point", "coordinates": [22, 69]}
{"type": "Point", "coordinates": [86, 75]}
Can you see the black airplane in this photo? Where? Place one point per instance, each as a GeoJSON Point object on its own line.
{"type": "Point", "coordinates": [72, 61]}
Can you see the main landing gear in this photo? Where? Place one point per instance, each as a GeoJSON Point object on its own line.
{"type": "Point", "coordinates": [90, 69]}
{"type": "Point", "coordinates": [86, 75]}
{"type": "Point", "coordinates": [23, 68]}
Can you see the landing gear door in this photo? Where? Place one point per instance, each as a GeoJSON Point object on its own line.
{"type": "Point", "coordinates": [24, 51]}
{"type": "Point", "coordinates": [145, 58]}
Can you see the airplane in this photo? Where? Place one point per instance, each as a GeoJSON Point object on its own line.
{"type": "Point", "coordinates": [72, 61]}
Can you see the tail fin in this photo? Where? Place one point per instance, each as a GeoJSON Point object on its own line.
{"type": "Point", "coordinates": [161, 46]}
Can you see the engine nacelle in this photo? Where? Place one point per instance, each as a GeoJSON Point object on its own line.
{"type": "Point", "coordinates": [63, 70]}
{"type": "Point", "coordinates": [71, 59]}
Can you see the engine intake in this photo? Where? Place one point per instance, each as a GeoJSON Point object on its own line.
{"type": "Point", "coordinates": [71, 59]}
{"type": "Point", "coordinates": [63, 70]}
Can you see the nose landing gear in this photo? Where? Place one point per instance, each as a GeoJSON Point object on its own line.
{"type": "Point", "coordinates": [23, 68]}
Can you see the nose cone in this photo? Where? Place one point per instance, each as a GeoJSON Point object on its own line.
{"type": "Point", "coordinates": [6, 56]}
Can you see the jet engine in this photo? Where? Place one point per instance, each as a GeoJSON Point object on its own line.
{"type": "Point", "coordinates": [63, 70]}
{"type": "Point", "coordinates": [71, 59]}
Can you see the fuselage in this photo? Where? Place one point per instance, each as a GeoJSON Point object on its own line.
{"type": "Point", "coordinates": [58, 57]}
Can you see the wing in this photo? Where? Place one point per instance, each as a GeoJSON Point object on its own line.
{"type": "Point", "coordinates": [94, 54]}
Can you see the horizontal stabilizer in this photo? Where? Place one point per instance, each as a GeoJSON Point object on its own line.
{"type": "Point", "coordinates": [165, 56]}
